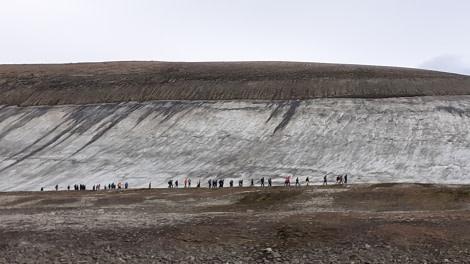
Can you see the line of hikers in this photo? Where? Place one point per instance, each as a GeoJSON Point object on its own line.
{"type": "Point", "coordinates": [212, 183]}
{"type": "Point", "coordinates": [82, 187]}
{"type": "Point", "coordinates": [187, 184]}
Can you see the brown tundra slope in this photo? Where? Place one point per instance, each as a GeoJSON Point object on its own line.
{"type": "Point", "coordinates": [108, 82]}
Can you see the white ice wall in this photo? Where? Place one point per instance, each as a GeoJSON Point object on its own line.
{"type": "Point", "coordinates": [421, 139]}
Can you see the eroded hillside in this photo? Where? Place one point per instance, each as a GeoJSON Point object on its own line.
{"type": "Point", "coordinates": [112, 82]}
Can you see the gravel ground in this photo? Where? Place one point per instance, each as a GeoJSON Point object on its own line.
{"type": "Point", "coordinates": [383, 223]}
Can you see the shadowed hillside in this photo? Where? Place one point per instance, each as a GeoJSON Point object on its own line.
{"type": "Point", "coordinates": [109, 82]}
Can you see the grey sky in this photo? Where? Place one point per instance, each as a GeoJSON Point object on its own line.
{"type": "Point", "coordinates": [420, 33]}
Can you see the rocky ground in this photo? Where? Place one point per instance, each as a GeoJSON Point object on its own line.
{"type": "Point", "coordinates": [382, 223]}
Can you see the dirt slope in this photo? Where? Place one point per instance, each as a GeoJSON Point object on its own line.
{"type": "Point", "coordinates": [86, 83]}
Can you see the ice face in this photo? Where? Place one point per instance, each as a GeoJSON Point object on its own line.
{"type": "Point", "coordinates": [419, 139]}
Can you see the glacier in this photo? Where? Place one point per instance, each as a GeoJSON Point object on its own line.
{"type": "Point", "coordinates": [407, 139]}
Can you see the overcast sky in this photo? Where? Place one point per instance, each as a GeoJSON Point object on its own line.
{"type": "Point", "coordinates": [426, 34]}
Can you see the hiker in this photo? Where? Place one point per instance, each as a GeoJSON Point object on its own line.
{"type": "Point", "coordinates": [221, 183]}
{"type": "Point", "coordinates": [119, 185]}
{"type": "Point", "coordinates": [324, 181]}
{"type": "Point", "coordinates": [240, 183]}
{"type": "Point", "coordinates": [214, 183]}
{"type": "Point", "coordinates": [126, 185]}
{"type": "Point", "coordinates": [252, 183]}
{"type": "Point", "coordinates": [92, 188]}
{"type": "Point", "coordinates": [346, 178]}
{"type": "Point", "coordinates": [42, 189]}
{"type": "Point", "coordinates": [231, 183]}
{"type": "Point", "coordinates": [306, 181]}
{"type": "Point", "coordinates": [57, 187]}
{"type": "Point", "coordinates": [176, 184]}
{"type": "Point", "coordinates": [150, 185]}
{"type": "Point", "coordinates": [185, 183]}
{"type": "Point", "coordinates": [68, 187]}
{"type": "Point", "coordinates": [170, 184]}
{"type": "Point", "coordinates": [262, 181]}
{"type": "Point", "coordinates": [189, 183]}
{"type": "Point", "coordinates": [269, 182]}
{"type": "Point", "coordinates": [297, 183]}
{"type": "Point", "coordinates": [287, 181]}
{"type": "Point", "coordinates": [210, 183]}
{"type": "Point", "coordinates": [198, 184]}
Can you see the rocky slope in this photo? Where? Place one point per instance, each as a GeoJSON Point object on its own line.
{"type": "Point", "coordinates": [113, 82]}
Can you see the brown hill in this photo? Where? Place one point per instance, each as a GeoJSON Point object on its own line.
{"type": "Point", "coordinates": [86, 83]}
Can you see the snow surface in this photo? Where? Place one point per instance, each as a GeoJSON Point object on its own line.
{"type": "Point", "coordinates": [419, 139]}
